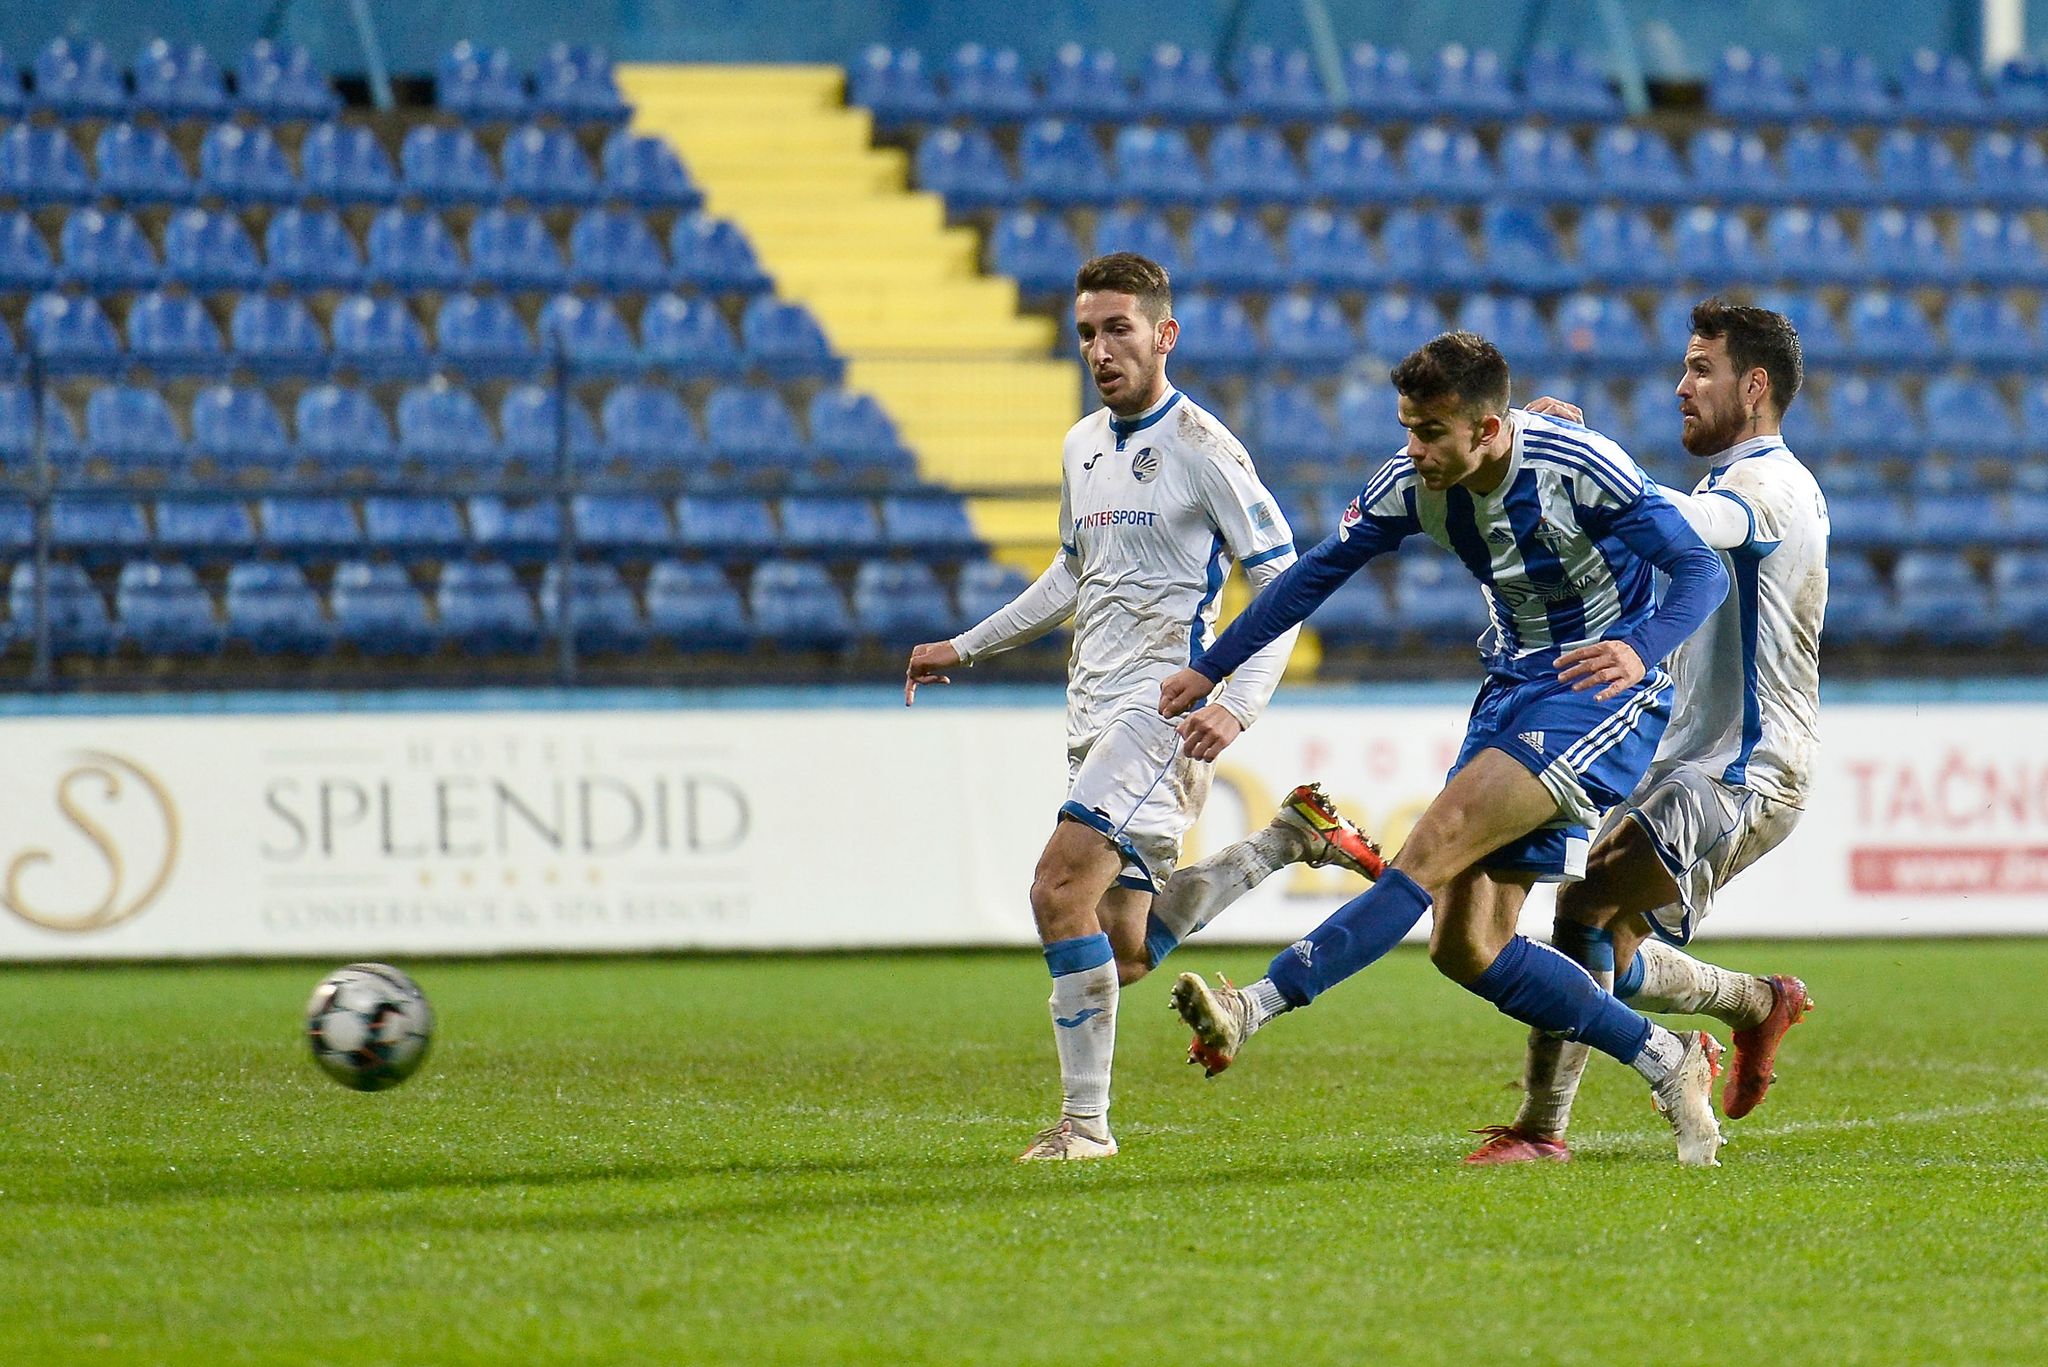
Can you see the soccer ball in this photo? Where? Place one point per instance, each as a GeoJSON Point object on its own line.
{"type": "Point", "coordinates": [369, 1026]}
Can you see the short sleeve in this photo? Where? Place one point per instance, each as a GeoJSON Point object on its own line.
{"type": "Point", "coordinates": [1243, 511]}
{"type": "Point", "coordinates": [1775, 502]}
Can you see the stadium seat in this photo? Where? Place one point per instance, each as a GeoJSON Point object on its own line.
{"type": "Point", "coordinates": [1919, 169]}
{"type": "Point", "coordinates": [210, 251]}
{"type": "Point", "coordinates": [98, 531]}
{"type": "Point", "coordinates": [483, 334]}
{"type": "Point", "coordinates": [378, 611]}
{"type": "Point", "coordinates": [986, 587]}
{"type": "Point", "coordinates": [1060, 164]}
{"type": "Point", "coordinates": [795, 605]}
{"type": "Point", "coordinates": [173, 334]}
{"type": "Point", "coordinates": [137, 163]}
{"type": "Point", "coordinates": [204, 530]}
{"type": "Point", "coordinates": [1216, 334]}
{"type": "Point", "coordinates": [25, 260]}
{"type": "Point", "coordinates": [694, 607]}
{"type": "Point", "coordinates": [2008, 168]}
{"type": "Point", "coordinates": [1989, 332]}
{"type": "Point", "coordinates": [1253, 165]}
{"type": "Point", "coordinates": [10, 354]}
{"type": "Point", "coordinates": [647, 427]}
{"type": "Point", "coordinates": [520, 533]}
{"type": "Point", "coordinates": [344, 163]}
{"type": "Point", "coordinates": [412, 249]}
{"type": "Point", "coordinates": [1521, 250]}
{"type": "Point", "coordinates": [2019, 580]}
{"type": "Point", "coordinates": [442, 427]}
{"type": "Point", "coordinates": [1810, 248]}
{"type": "Point", "coordinates": [1890, 329]}
{"type": "Point", "coordinates": [576, 83]}
{"type": "Point", "coordinates": [930, 527]}
{"type": "Point", "coordinates": [1905, 250]}
{"type": "Point", "coordinates": [244, 164]}
{"type": "Point", "coordinates": [1733, 167]}
{"type": "Point", "coordinates": [1351, 166]}
{"type": "Point", "coordinates": [277, 335]}
{"type": "Point", "coordinates": [1435, 598]}
{"type": "Point", "coordinates": [622, 526]}
{"type": "Point", "coordinates": [831, 527]}
{"type": "Point", "coordinates": [513, 249]}
{"type": "Point", "coordinates": [482, 608]}
{"type": "Point", "coordinates": [1279, 85]}
{"type": "Point", "coordinates": [1182, 85]}
{"type": "Point", "coordinates": [377, 335]}
{"type": "Point", "coordinates": [1428, 250]}
{"type": "Point", "coordinates": [1231, 252]}
{"type": "Point", "coordinates": [1622, 247]}
{"type": "Point", "coordinates": [1368, 424]}
{"type": "Point", "coordinates": [1382, 83]}
{"type": "Point", "coordinates": [162, 610]}
{"type": "Point", "coordinates": [2034, 418]}
{"type": "Point", "coordinates": [1564, 83]}
{"type": "Point", "coordinates": [1142, 231]}
{"type": "Point", "coordinates": [1600, 333]}
{"type": "Point", "coordinates": [2002, 249]}
{"type": "Point", "coordinates": [588, 332]}
{"type": "Point", "coordinates": [1544, 165]}
{"type": "Point", "coordinates": [1860, 609]}
{"type": "Point", "coordinates": [273, 611]}
{"type": "Point", "coordinates": [1309, 334]}
{"type": "Point", "coordinates": [1750, 85]}
{"type": "Point", "coordinates": [411, 527]}
{"type": "Point", "coordinates": [752, 433]}
{"type": "Point", "coordinates": [688, 334]}
{"type": "Point", "coordinates": [1331, 250]}
{"type": "Point", "coordinates": [77, 615]}
{"type": "Point", "coordinates": [18, 428]}
{"type": "Point", "coordinates": [1397, 324]}
{"type": "Point", "coordinates": [278, 80]}
{"type": "Point", "coordinates": [179, 80]}
{"type": "Point", "coordinates": [1638, 166]}
{"type": "Point", "coordinates": [531, 426]}
{"type": "Point", "coordinates": [604, 616]}
{"type": "Point", "coordinates": [106, 251]}
{"type": "Point", "coordinates": [39, 165]}
{"type": "Point", "coordinates": [1942, 602]}
{"type": "Point", "coordinates": [237, 427]}
{"type": "Point", "coordinates": [1086, 84]}
{"type": "Point", "coordinates": [726, 527]}
{"type": "Point", "coordinates": [1511, 323]}
{"type": "Point", "coordinates": [1447, 164]}
{"type": "Point", "coordinates": [445, 165]}
{"type": "Point", "coordinates": [342, 429]}
{"type": "Point", "coordinates": [1941, 88]}
{"type": "Point", "coordinates": [71, 333]}
{"type": "Point", "coordinates": [78, 78]}
{"type": "Point", "coordinates": [2019, 90]}
{"type": "Point", "coordinates": [12, 97]}
{"type": "Point", "coordinates": [1967, 417]}
{"type": "Point", "coordinates": [784, 342]}
{"type": "Point", "coordinates": [1824, 169]}
{"type": "Point", "coordinates": [965, 168]}
{"type": "Point", "coordinates": [1471, 83]}
{"type": "Point", "coordinates": [1820, 335]}
{"type": "Point", "coordinates": [479, 82]}
{"type": "Point", "coordinates": [133, 430]}
{"type": "Point", "coordinates": [892, 85]}
{"type": "Point", "coordinates": [712, 254]}
{"type": "Point", "coordinates": [546, 166]}
{"type": "Point", "coordinates": [1358, 613]}
{"type": "Point", "coordinates": [1037, 250]}
{"type": "Point", "coordinates": [857, 441]}
{"type": "Point", "coordinates": [1289, 431]}
{"type": "Point", "coordinates": [1872, 416]}
{"type": "Point", "coordinates": [898, 604]}
{"type": "Point", "coordinates": [1714, 249]}
{"type": "Point", "coordinates": [1845, 87]}
{"type": "Point", "coordinates": [1158, 166]}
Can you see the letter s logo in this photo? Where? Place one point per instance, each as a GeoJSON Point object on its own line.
{"type": "Point", "coordinates": [122, 813]}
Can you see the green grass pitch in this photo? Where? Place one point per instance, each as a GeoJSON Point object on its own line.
{"type": "Point", "coordinates": [808, 1160]}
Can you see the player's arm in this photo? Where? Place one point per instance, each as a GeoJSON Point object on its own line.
{"type": "Point", "coordinates": [1654, 529]}
{"type": "Point", "coordinates": [1245, 514]}
{"type": "Point", "coordinates": [1725, 519]}
{"type": "Point", "coordinates": [1048, 602]}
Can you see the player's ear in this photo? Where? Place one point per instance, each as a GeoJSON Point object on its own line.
{"type": "Point", "coordinates": [1166, 335]}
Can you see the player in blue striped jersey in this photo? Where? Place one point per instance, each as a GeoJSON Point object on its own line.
{"type": "Point", "coordinates": [1563, 532]}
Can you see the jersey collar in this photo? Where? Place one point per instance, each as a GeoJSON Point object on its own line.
{"type": "Point", "coordinates": [1126, 427]}
{"type": "Point", "coordinates": [1743, 450]}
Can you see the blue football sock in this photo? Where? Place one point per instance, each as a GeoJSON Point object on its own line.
{"type": "Point", "coordinates": [1160, 940]}
{"type": "Point", "coordinates": [1588, 946]}
{"type": "Point", "coordinates": [1360, 931]}
{"type": "Point", "coordinates": [1541, 987]}
{"type": "Point", "coordinates": [1629, 981]}
{"type": "Point", "coordinates": [1078, 955]}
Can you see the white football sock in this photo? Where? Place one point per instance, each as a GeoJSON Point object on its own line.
{"type": "Point", "coordinates": [1675, 982]}
{"type": "Point", "coordinates": [1550, 1077]}
{"type": "Point", "coordinates": [1662, 1053]}
{"type": "Point", "coordinates": [1197, 894]}
{"type": "Point", "coordinates": [1084, 1030]}
{"type": "Point", "coordinates": [1263, 1002]}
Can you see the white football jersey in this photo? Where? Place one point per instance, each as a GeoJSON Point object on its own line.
{"type": "Point", "coordinates": [1152, 511]}
{"type": "Point", "coordinates": [1748, 681]}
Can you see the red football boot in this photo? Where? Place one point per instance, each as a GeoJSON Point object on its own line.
{"type": "Point", "coordinates": [1506, 1144]}
{"type": "Point", "coordinates": [1756, 1049]}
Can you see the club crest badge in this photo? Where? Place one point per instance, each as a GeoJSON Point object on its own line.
{"type": "Point", "coordinates": [1145, 465]}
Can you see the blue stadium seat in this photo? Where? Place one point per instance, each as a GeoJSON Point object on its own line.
{"type": "Point", "coordinates": [1382, 83]}
{"type": "Point", "coordinates": [687, 334]}
{"type": "Point", "coordinates": [77, 615]}
{"type": "Point", "coordinates": [273, 611]}
{"type": "Point", "coordinates": [546, 166]}
{"type": "Point", "coordinates": [1279, 85]}
{"type": "Point", "coordinates": [1950, 520]}
{"type": "Point", "coordinates": [1511, 323]}
{"type": "Point", "coordinates": [173, 334]}
{"type": "Point", "coordinates": [2019, 579]}
{"type": "Point", "coordinates": [1309, 334]}
{"type": "Point", "coordinates": [2034, 417]}
{"type": "Point", "coordinates": [1159, 166]}
{"type": "Point", "coordinates": [442, 427]}
{"type": "Point", "coordinates": [377, 335]}
{"type": "Point", "coordinates": [1810, 248]}
{"type": "Point", "coordinates": [589, 332]}
{"type": "Point", "coordinates": [79, 78]}
{"type": "Point", "coordinates": [1368, 421]}
{"type": "Point", "coordinates": [795, 605]}
{"type": "Point", "coordinates": [964, 166]}
{"type": "Point", "coordinates": [1600, 332]}
{"type": "Point", "coordinates": [784, 342]}
{"type": "Point", "coordinates": [726, 526]}
{"type": "Point", "coordinates": [1351, 166]}
{"type": "Point", "coordinates": [1231, 251]}
{"type": "Point", "coordinates": [1436, 599]}
{"type": "Point", "coordinates": [1253, 165]}
{"type": "Point", "coordinates": [1988, 331]}
{"type": "Point", "coordinates": [988, 85]}
{"type": "Point", "coordinates": [378, 611]}
{"type": "Point", "coordinates": [622, 526]}
{"type": "Point", "coordinates": [1653, 421]}
{"type": "Point", "coordinates": [277, 335]}
{"type": "Point", "coordinates": [857, 441]}
{"type": "Point", "coordinates": [106, 251]}
{"type": "Point", "coordinates": [576, 83]}
{"type": "Point", "coordinates": [1565, 83]}
{"type": "Point", "coordinates": [899, 604]}
{"type": "Point", "coordinates": [1968, 417]}
{"type": "Point", "coordinates": [605, 617]}
{"type": "Point", "coordinates": [1428, 250]}
{"type": "Point", "coordinates": [483, 334]}
{"type": "Point", "coordinates": [1293, 438]}
{"type": "Point", "coordinates": [411, 527]}
{"type": "Point", "coordinates": [244, 164]}
{"type": "Point", "coordinates": [1397, 324]}
{"type": "Point", "coordinates": [478, 81]}
{"type": "Point", "coordinates": [10, 355]}
{"type": "Point", "coordinates": [482, 608]}
{"type": "Point", "coordinates": [1471, 83]}
{"type": "Point", "coordinates": [1824, 168]}
{"type": "Point", "coordinates": [98, 531]}
{"type": "Point", "coordinates": [278, 80]}
{"type": "Point", "coordinates": [1714, 249]}
{"type": "Point", "coordinates": [1332, 250]}
{"type": "Point", "coordinates": [179, 80]}
{"type": "Point", "coordinates": [1941, 88]}
{"type": "Point", "coordinates": [1889, 329]}
{"type": "Point", "coordinates": [71, 332]}
{"type": "Point", "coordinates": [25, 260]}
{"type": "Point", "coordinates": [1357, 614]}
{"type": "Point", "coordinates": [1086, 84]}
{"type": "Point", "coordinates": [137, 162]}
{"type": "Point", "coordinates": [2008, 169]}
{"type": "Point", "coordinates": [1873, 417]}
{"type": "Point", "coordinates": [1216, 334]}
{"type": "Point", "coordinates": [1544, 164]}
{"type": "Point", "coordinates": [1623, 247]}
{"type": "Point", "coordinates": [39, 164]}
{"type": "Point", "coordinates": [237, 428]}
{"type": "Point", "coordinates": [2002, 249]}
{"type": "Point", "coordinates": [12, 98]}
{"type": "Point", "coordinates": [1733, 167]}
{"type": "Point", "coordinates": [1522, 251]}
{"type": "Point", "coordinates": [1919, 169]}
{"type": "Point", "coordinates": [412, 249]}
{"type": "Point", "coordinates": [1059, 163]}
{"type": "Point", "coordinates": [647, 427]}
{"type": "Point", "coordinates": [1820, 335]}
{"type": "Point", "coordinates": [1182, 85]}
{"type": "Point", "coordinates": [1037, 250]}
{"type": "Point", "coordinates": [1845, 87]}
{"type": "Point", "coordinates": [308, 527]}
{"type": "Point", "coordinates": [712, 254]}
{"type": "Point", "coordinates": [931, 527]}
{"type": "Point", "coordinates": [521, 533]}
{"type": "Point", "coordinates": [513, 249]}
{"type": "Point", "coordinates": [445, 165]}
{"type": "Point", "coordinates": [162, 610]}
{"type": "Point", "coordinates": [694, 607]}
{"type": "Point", "coordinates": [530, 423]}
{"type": "Point", "coordinates": [893, 85]}
{"type": "Point", "coordinates": [345, 163]}
{"type": "Point", "coordinates": [752, 432]}
{"type": "Point", "coordinates": [341, 428]}
{"type": "Point", "coordinates": [832, 527]}
{"type": "Point", "coordinates": [204, 530]}
{"type": "Point", "coordinates": [1753, 86]}
{"type": "Point", "coordinates": [1141, 231]}
{"type": "Point", "coordinates": [1447, 163]}
{"type": "Point", "coordinates": [1942, 602]}
{"type": "Point", "coordinates": [1860, 608]}
{"type": "Point", "coordinates": [1638, 166]}
{"type": "Point", "coordinates": [17, 523]}
{"type": "Point", "coordinates": [986, 587]}
{"type": "Point", "coordinates": [2019, 90]}
{"type": "Point", "coordinates": [133, 430]}
{"type": "Point", "coordinates": [210, 251]}
{"type": "Point", "coordinates": [646, 171]}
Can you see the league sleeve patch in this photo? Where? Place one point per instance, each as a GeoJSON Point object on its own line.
{"type": "Point", "coordinates": [1262, 515]}
{"type": "Point", "coordinates": [1353, 515]}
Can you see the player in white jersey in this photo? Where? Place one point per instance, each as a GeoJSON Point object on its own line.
{"type": "Point", "coordinates": [1156, 498]}
{"type": "Point", "coordinates": [1731, 777]}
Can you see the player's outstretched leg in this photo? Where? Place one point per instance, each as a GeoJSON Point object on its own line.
{"type": "Point", "coordinates": [1308, 829]}
{"type": "Point", "coordinates": [1551, 1067]}
{"type": "Point", "coordinates": [1083, 1004]}
{"type": "Point", "coordinates": [1759, 1010]}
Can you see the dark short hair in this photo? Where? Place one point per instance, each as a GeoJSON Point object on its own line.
{"type": "Point", "coordinates": [1132, 274]}
{"type": "Point", "coordinates": [1757, 339]}
{"type": "Point", "coordinates": [1460, 363]}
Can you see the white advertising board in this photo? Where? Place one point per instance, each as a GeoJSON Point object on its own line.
{"type": "Point", "coordinates": [491, 832]}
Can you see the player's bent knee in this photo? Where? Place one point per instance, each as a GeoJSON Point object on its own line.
{"type": "Point", "coordinates": [1459, 953]}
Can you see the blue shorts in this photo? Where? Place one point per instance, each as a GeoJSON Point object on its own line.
{"type": "Point", "coordinates": [1590, 755]}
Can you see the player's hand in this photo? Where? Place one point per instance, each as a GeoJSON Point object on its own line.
{"type": "Point", "coordinates": [1557, 408]}
{"type": "Point", "coordinates": [1181, 691]}
{"type": "Point", "coordinates": [927, 665]}
{"type": "Point", "coordinates": [1613, 663]}
{"type": "Point", "coordinates": [1205, 734]}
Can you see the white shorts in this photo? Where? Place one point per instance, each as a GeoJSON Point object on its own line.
{"type": "Point", "coordinates": [1134, 785]}
{"type": "Point", "coordinates": [1704, 831]}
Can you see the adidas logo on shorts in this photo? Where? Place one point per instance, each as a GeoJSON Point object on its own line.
{"type": "Point", "coordinates": [1532, 739]}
